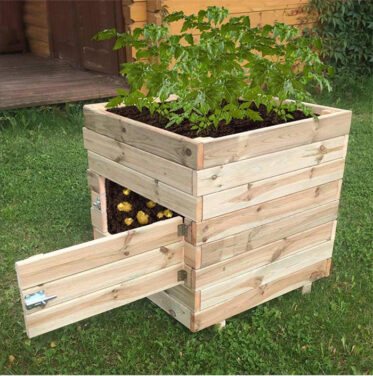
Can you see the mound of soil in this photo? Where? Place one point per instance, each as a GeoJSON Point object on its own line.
{"type": "Point", "coordinates": [235, 126]}
{"type": "Point", "coordinates": [115, 218]}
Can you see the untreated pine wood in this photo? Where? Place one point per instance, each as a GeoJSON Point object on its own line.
{"type": "Point", "coordinates": [263, 255]}
{"type": "Point", "coordinates": [74, 310]}
{"type": "Point", "coordinates": [180, 149]}
{"type": "Point", "coordinates": [162, 169]}
{"type": "Point", "coordinates": [84, 283]}
{"type": "Point", "coordinates": [258, 295]}
{"type": "Point", "coordinates": [229, 224]}
{"type": "Point", "coordinates": [263, 275]}
{"type": "Point", "coordinates": [41, 268]}
{"type": "Point", "coordinates": [260, 191]}
{"type": "Point", "coordinates": [172, 198]}
{"type": "Point", "coordinates": [223, 249]}
{"type": "Point", "coordinates": [189, 297]}
{"type": "Point", "coordinates": [251, 144]}
{"type": "Point", "coordinates": [216, 179]}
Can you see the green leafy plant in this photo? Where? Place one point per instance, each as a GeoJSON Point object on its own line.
{"type": "Point", "coordinates": [220, 76]}
{"type": "Point", "coordinates": [346, 28]}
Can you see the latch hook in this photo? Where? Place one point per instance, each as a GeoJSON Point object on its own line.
{"type": "Point", "coordinates": [37, 299]}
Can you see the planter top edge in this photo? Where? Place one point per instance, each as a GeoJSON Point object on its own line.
{"type": "Point", "coordinates": [330, 112]}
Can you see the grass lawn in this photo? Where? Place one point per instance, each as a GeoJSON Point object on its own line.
{"type": "Point", "coordinates": [45, 206]}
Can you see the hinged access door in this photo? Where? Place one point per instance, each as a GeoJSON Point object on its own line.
{"type": "Point", "coordinates": [71, 284]}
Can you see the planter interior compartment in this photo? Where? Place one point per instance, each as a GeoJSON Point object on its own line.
{"type": "Point", "coordinates": [257, 218]}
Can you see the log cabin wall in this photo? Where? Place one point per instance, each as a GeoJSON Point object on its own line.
{"type": "Point", "coordinates": [35, 19]}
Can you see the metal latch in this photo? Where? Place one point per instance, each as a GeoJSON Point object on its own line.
{"type": "Point", "coordinates": [97, 203]}
{"type": "Point", "coordinates": [182, 229]}
{"type": "Point", "coordinates": [37, 299]}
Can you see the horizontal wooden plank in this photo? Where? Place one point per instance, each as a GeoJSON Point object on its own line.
{"type": "Point", "coordinates": [231, 246]}
{"type": "Point", "coordinates": [165, 144]}
{"type": "Point", "coordinates": [135, 11]}
{"type": "Point", "coordinates": [260, 191]}
{"type": "Point", "coordinates": [173, 307]}
{"type": "Point", "coordinates": [89, 281]}
{"type": "Point", "coordinates": [263, 275]}
{"type": "Point", "coordinates": [259, 295]}
{"type": "Point", "coordinates": [263, 255]}
{"type": "Point", "coordinates": [63, 314]}
{"type": "Point", "coordinates": [219, 178]}
{"type": "Point", "coordinates": [192, 255]}
{"type": "Point", "coordinates": [46, 267]}
{"type": "Point", "coordinates": [172, 198]}
{"type": "Point", "coordinates": [162, 169]}
{"type": "Point", "coordinates": [251, 144]}
{"type": "Point", "coordinates": [233, 223]}
{"type": "Point", "coordinates": [190, 298]}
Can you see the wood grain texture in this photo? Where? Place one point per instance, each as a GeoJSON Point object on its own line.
{"type": "Point", "coordinates": [172, 198]}
{"type": "Point", "coordinates": [190, 298]}
{"type": "Point", "coordinates": [263, 255]}
{"type": "Point", "coordinates": [258, 295]}
{"type": "Point", "coordinates": [263, 275]}
{"type": "Point", "coordinates": [223, 249]}
{"type": "Point", "coordinates": [246, 195]}
{"type": "Point", "coordinates": [89, 281]}
{"type": "Point", "coordinates": [173, 307]}
{"type": "Point", "coordinates": [160, 142]}
{"type": "Point", "coordinates": [233, 174]}
{"type": "Point", "coordinates": [162, 169]}
{"type": "Point", "coordinates": [42, 268]}
{"type": "Point", "coordinates": [232, 223]}
{"type": "Point", "coordinates": [251, 144]}
{"type": "Point", "coordinates": [63, 314]}
{"type": "Point", "coordinates": [192, 255]}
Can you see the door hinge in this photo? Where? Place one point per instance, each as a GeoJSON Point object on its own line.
{"type": "Point", "coordinates": [37, 299]}
{"type": "Point", "coordinates": [97, 203]}
{"type": "Point", "coordinates": [182, 229]}
{"type": "Point", "coordinates": [181, 275]}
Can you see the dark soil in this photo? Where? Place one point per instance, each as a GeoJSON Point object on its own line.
{"type": "Point", "coordinates": [115, 218]}
{"type": "Point", "coordinates": [235, 126]}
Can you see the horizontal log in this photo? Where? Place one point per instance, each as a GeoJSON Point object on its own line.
{"type": "Point", "coordinates": [165, 144]}
{"type": "Point", "coordinates": [162, 169]}
{"type": "Point", "coordinates": [63, 314]}
{"type": "Point", "coordinates": [251, 144]}
{"type": "Point", "coordinates": [46, 267]}
{"type": "Point", "coordinates": [263, 275]}
{"type": "Point", "coordinates": [230, 175]}
{"type": "Point", "coordinates": [233, 223]}
{"type": "Point", "coordinates": [259, 295]}
{"type": "Point", "coordinates": [172, 198]}
{"type": "Point", "coordinates": [214, 252]}
{"type": "Point", "coordinates": [246, 195]}
{"type": "Point", "coordinates": [81, 284]}
{"type": "Point", "coordinates": [263, 255]}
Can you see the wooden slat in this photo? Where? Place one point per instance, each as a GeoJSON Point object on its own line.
{"type": "Point", "coordinates": [97, 234]}
{"type": "Point", "coordinates": [60, 315]}
{"type": "Point", "coordinates": [237, 244]}
{"type": "Point", "coordinates": [190, 298]}
{"type": "Point", "coordinates": [42, 268]}
{"type": "Point", "coordinates": [165, 144]}
{"type": "Point", "coordinates": [268, 189]}
{"type": "Point", "coordinates": [229, 224]}
{"type": "Point", "coordinates": [261, 276]}
{"type": "Point", "coordinates": [261, 256]}
{"type": "Point", "coordinates": [174, 199]}
{"type": "Point", "coordinates": [162, 169]}
{"type": "Point", "coordinates": [258, 295]}
{"type": "Point", "coordinates": [219, 178]}
{"type": "Point", "coordinates": [173, 307]}
{"type": "Point", "coordinates": [135, 11]}
{"type": "Point", "coordinates": [281, 137]}
{"type": "Point", "coordinates": [93, 180]}
{"type": "Point", "coordinates": [82, 284]}
{"type": "Point", "coordinates": [192, 255]}
{"type": "Point", "coordinates": [99, 219]}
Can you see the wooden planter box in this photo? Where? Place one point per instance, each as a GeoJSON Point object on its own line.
{"type": "Point", "coordinates": [258, 214]}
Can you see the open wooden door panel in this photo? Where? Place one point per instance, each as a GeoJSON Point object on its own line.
{"type": "Point", "coordinates": [71, 284]}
